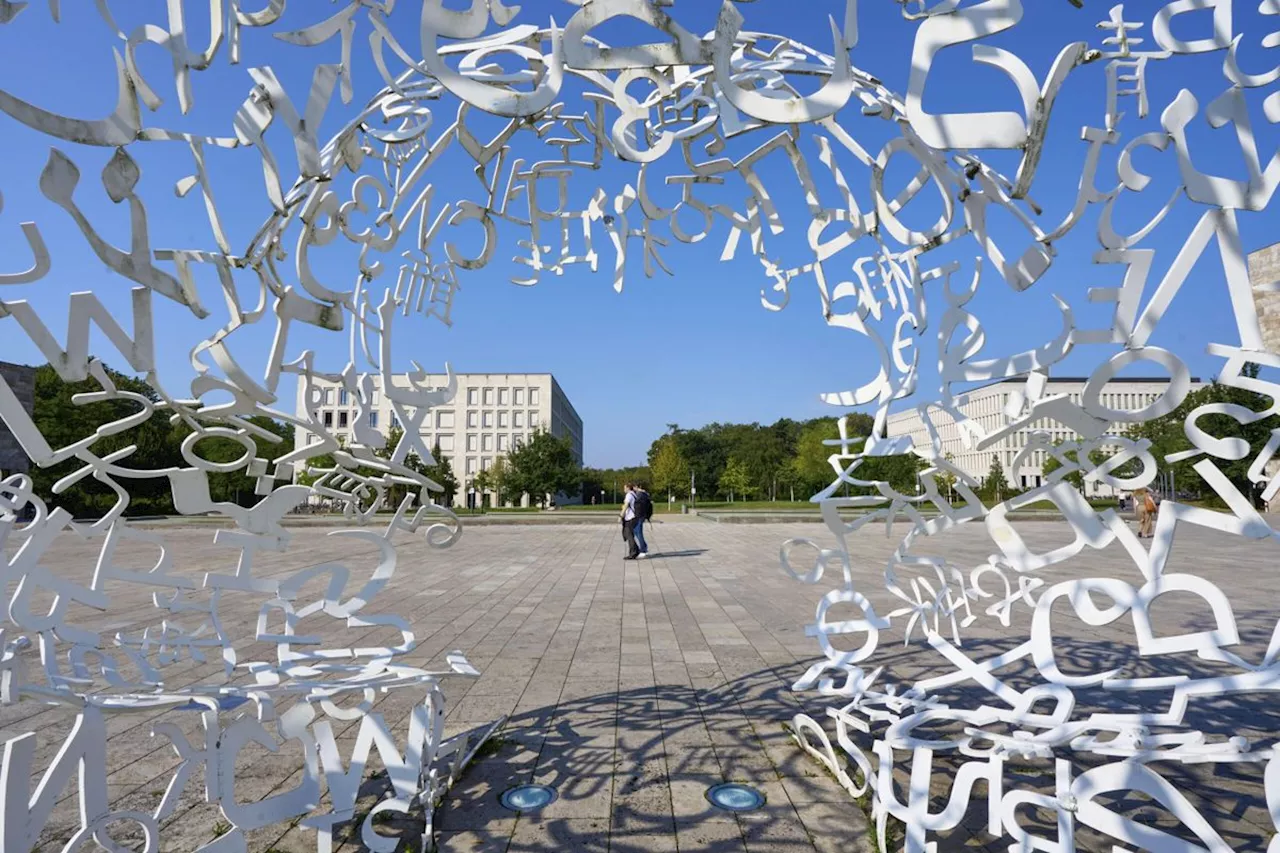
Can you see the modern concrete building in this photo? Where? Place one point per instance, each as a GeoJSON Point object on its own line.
{"type": "Point", "coordinates": [985, 407]}
{"type": "Point", "coordinates": [1264, 271]}
{"type": "Point", "coordinates": [490, 415]}
{"type": "Point", "coordinates": [21, 379]}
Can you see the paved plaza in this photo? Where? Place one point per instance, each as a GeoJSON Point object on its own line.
{"type": "Point", "coordinates": [631, 686]}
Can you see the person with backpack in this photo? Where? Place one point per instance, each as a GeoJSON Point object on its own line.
{"type": "Point", "coordinates": [1151, 503]}
{"type": "Point", "coordinates": [1145, 505]}
{"type": "Point", "coordinates": [628, 515]}
{"type": "Point", "coordinates": [644, 512]}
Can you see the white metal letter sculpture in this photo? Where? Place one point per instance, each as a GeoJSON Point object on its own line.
{"type": "Point", "coordinates": [729, 108]}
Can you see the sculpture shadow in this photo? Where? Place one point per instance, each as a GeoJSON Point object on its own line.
{"type": "Point", "coordinates": [631, 770]}
{"type": "Point", "coordinates": [634, 765]}
{"type": "Point", "coordinates": [666, 555]}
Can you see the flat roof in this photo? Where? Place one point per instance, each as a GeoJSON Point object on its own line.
{"type": "Point", "coordinates": [1084, 379]}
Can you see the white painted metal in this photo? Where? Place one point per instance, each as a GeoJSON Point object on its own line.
{"type": "Point", "coordinates": [705, 92]}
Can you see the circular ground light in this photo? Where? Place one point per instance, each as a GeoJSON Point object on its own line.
{"type": "Point", "coordinates": [525, 798]}
{"type": "Point", "coordinates": [735, 798]}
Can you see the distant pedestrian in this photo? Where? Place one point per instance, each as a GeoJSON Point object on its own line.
{"type": "Point", "coordinates": [1145, 502]}
{"type": "Point", "coordinates": [628, 516]}
{"type": "Point", "coordinates": [644, 512]}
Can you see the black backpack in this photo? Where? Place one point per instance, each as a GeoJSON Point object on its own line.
{"type": "Point", "coordinates": [643, 506]}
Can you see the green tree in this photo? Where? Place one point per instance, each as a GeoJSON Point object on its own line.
{"type": "Point", "coordinates": [605, 484]}
{"type": "Point", "coordinates": [669, 468]}
{"type": "Point", "coordinates": [1167, 435]}
{"type": "Point", "coordinates": [789, 480]}
{"type": "Point", "coordinates": [810, 461]}
{"type": "Point", "coordinates": [62, 422]}
{"type": "Point", "coordinates": [544, 465]}
{"type": "Point", "coordinates": [271, 440]}
{"type": "Point", "coordinates": [1076, 477]}
{"type": "Point", "coordinates": [324, 460]}
{"type": "Point", "coordinates": [946, 480]}
{"type": "Point", "coordinates": [764, 452]}
{"type": "Point", "coordinates": [995, 486]}
{"type": "Point", "coordinates": [497, 479]}
{"type": "Point", "coordinates": [736, 480]}
{"type": "Point", "coordinates": [157, 442]}
{"type": "Point", "coordinates": [441, 473]}
{"type": "Point", "coordinates": [901, 471]}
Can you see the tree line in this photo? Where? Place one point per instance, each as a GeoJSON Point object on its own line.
{"type": "Point", "coordinates": [157, 442]}
{"type": "Point", "coordinates": [723, 461]}
{"type": "Point", "coordinates": [785, 460]}
{"type": "Point", "coordinates": [541, 467]}
{"type": "Point", "coordinates": [789, 458]}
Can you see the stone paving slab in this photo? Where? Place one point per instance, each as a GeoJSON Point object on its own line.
{"type": "Point", "coordinates": [632, 686]}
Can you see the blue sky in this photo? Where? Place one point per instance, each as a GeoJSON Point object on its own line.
{"type": "Point", "coordinates": [690, 348]}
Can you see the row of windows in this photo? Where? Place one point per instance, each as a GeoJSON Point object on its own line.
{"type": "Point", "coordinates": [328, 395]}
{"type": "Point", "coordinates": [476, 464]}
{"type": "Point", "coordinates": [444, 420]}
{"type": "Point", "coordinates": [345, 419]}
{"type": "Point", "coordinates": [990, 416]}
{"type": "Point", "coordinates": [504, 396]}
{"type": "Point", "coordinates": [488, 442]}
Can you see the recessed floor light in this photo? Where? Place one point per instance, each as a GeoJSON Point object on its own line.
{"type": "Point", "coordinates": [524, 798]}
{"type": "Point", "coordinates": [734, 797]}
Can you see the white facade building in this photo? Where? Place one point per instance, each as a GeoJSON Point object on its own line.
{"type": "Point", "coordinates": [490, 415]}
{"type": "Point", "coordinates": [986, 406]}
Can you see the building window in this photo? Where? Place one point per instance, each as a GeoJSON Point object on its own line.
{"type": "Point", "coordinates": [328, 419]}
{"type": "Point", "coordinates": [472, 396]}
{"type": "Point", "coordinates": [342, 396]}
{"type": "Point", "coordinates": [342, 420]}
{"type": "Point", "coordinates": [486, 463]}
{"type": "Point", "coordinates": [312, 438]}
{"type": "Point", "coordinates": [373, 419]}
{"type": "Point", "coordinates": [373, 397]}
{"type": "Point", "coordinates": [327, 396]}
{"type": "Point", "coordinates": [502, 444]}
{"type": "Point", "coordinates": [504, 419]}
{"type": "Point", "coordinates": [473, 443]}
{"type": "Point", "coordinates": [395, 421]}
{"type": "Point", "coordinates": [446, 443]}
{"type": "Point", "coordinates": [504, 396]}
{"type": "Point", "coordinates": [488, 396]}
{"type": "Point", "coordinates": [473, 420]}
{"type": "Point", "coordinates": [488, 420]}
{"type": "Point", "coordinates": [486, 443]}
{"type": "Point", "coordinates": [517, 441]}
{"type": "Point", "coordinates": [471, 464]}
{"type": "Point", "coordinates": [533, 419]}
{"type": "Point", "coordinates": [533, 397]}
{"type": "Point", "coordinates": [444, 420]}
{"type": "Point", "coordinates": [518, 419]}
{"type": "Point", "coordinates": [518, 396]}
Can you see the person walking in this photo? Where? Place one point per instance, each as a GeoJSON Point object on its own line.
{"type": "Point", "coordinates": [1152, 504]}
{"type": "Point", "coordinates": [1145, 505]}
{"type": "Point", "coordinates": [628, 516]}
{"type": "Point", "coordinates": [644, 512]}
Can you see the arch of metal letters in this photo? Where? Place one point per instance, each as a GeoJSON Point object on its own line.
{"type": "Point", "coordinates": [371, 185]}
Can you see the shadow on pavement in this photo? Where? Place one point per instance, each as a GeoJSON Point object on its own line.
{"type": "Point", "coordinates": [689, 552]}
{"type": "Point", "coordinates": [631, 769]}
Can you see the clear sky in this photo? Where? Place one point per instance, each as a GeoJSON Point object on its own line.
{"type": "Point", "coordinates": [688, 348]}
